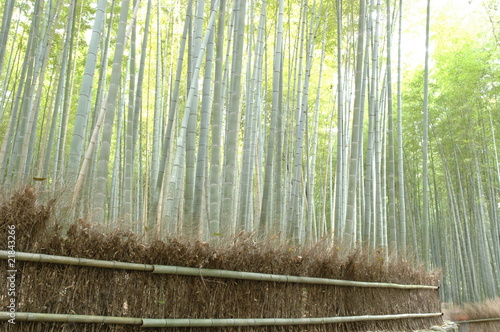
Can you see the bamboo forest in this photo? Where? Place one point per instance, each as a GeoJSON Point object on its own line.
{"type": "Point", "coordinates": [369, 122]}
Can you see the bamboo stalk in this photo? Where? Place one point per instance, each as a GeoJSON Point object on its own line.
{"type": "Point", "coordinates": [149, 322]}
{"type": "Point", "coordinates": [198, 272]}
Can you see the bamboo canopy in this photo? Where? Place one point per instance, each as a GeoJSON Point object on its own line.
{"type": "Point", "coordinates": [146, 322]}
{"type": "Point", "coordinates": [200, 272]}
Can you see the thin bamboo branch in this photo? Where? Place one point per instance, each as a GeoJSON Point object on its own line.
{"type": "Point", "coordinates": [191, 271]}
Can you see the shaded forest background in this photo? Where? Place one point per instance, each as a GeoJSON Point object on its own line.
{"type": "Point", "coordinates": [298, 120]}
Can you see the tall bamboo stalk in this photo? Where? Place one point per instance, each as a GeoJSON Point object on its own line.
{"type": "Point", "coordinates": [425, 144]}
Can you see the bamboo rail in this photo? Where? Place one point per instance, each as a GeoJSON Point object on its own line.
{"type": "Point", "coordinates": [477, 320]}
{"type": "Point", "coordinates": [200, 272]}
{"type": "Point", "coordinates": [275, 321]}
{"type": "Point", "coordinates": [149, 322]}
{"type": "Point", "coordinates": [65, 318]}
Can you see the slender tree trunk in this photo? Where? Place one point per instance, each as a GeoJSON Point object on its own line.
{"type": "Point", "coordinates": [340, 171]}
{"type": "Point", "coordinates": [402, 243]}
{"type": "Point", "coordinates": [425, 143]}
{"type": "Point", "coordinates": [59, 99]}
{"type": "Point", "coordinates": [391, 183]}
{"type": "Point", "coordinates": [170, 121]}
{"type": "Point", "coordinates": [4, 31]}
{"type": "Point", "coordinates": [191, 131]}
{"type": "Point", "coordinates": [350, 220]}
{"type": "Point", "coordinates": [126, 191]}
{"type": "Point", "coordinates": [85, 93]}
{"type": "Point", "coordinates": [17, 161]}
{"type": "Point", "coordinates": [100, 196]}
{"type": "Point", "coordinates": [265, 217]}
{"type": "Point", "coordinates": [176, 176]}
{"type": "Point", "coordinates": [133, 120]}
{"type": "Point", "coordinates": [154, 168]}
{"type": "Point", "coordinates": [201, 160]}
{"type": "Point", "coordinates": [466, 233]}
{"type": "Point", "coordinates": [252, 116]}
{"type": "Point", "coordinates": [217, 105]}
{"type": "Point", "coordinates": [233, 115]}
{"type": "Point", "coordinates": [371, 231]}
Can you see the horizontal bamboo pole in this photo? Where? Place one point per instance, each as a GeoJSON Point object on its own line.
{"type": "Point", "coordinates": [150, 322]}
{"type": "Point", "coordinates": [275, 321]}
{"type": "Point", "coordinates": [65, 260]}
{"type": "Point", "coordinates": [64, 318]}
{"type": "Point", "coordinates": [478, 320]}
{"type": "Point", "coordinates": [197, 272]}
{"type": "Point", "coordinates": [277, 277]}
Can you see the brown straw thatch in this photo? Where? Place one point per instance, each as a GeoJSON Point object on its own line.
{"type": "Point", "coordinates": [478, 316]}
{"type": "Point", "coordinates": [64, 289]}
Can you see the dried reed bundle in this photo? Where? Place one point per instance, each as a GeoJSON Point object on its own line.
{"type": "Point", "coordinates": [64, 289]}
{"type": "Point", "coordinates": [479, 316]}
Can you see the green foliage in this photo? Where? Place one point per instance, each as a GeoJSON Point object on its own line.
{"type": "Point", "coordinates": [463, 118]}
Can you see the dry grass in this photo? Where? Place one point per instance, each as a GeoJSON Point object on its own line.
{"type": "Point", "coordinates": [477, 311]}
{"type": "Point", "coordinates": [53, 288]}
{"type": "Point", "coordinates": [29, 217]}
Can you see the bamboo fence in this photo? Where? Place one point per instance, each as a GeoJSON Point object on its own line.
{"type": "Point", "coordinates": [200, 272]}
{"type": "Point", "coordinates": [479, 320]}
{"type": "Point", "coordinates": [148, 322]}
{"type": "Point", "coordinates": [480, 325]}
